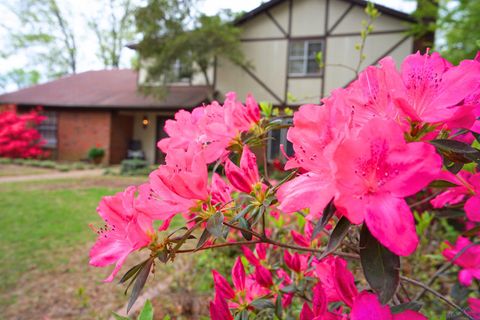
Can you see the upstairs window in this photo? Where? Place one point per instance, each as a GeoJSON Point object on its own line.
{"type": "Point", "coordinates": [48, 129]}
{"type": "Point", "coordinates": [301, 57]}
{"type": "Point", "coordinates": [181, 72]}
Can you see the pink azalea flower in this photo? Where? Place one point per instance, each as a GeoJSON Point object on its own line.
{"type": "Point", "coordinates": [219, 310]}
{"type": "Point", "coordinates": [337, 280]}
{"type": "Point", "coordinates": [468, 187]}
{"type": "Point", "coordinates": [369, 97]}
{"type": "Point", "coordinates": [319, 310]}
{"type": "Point", "coordinates": [376, 170]}
{"type": "Point", "coordinates": [469, 261]}
{"type": "Point", "coordinates": [263, 276]}
{"type": "Point", "coordinates": [432, 88]}
{"type": "Point", "coordinates": [220, 190]}
{"type": "Point", "coordinates": [474, 304]}
{"type": "Point", "coordinates": [316, 133]}
{"type": "Point", "coordinates": [246, 287]}
{"type": "Point", "coordinates": [367, 307]}
{"type": "Point", "coordinates": [260, 255]}
{"type": "Point", "coordinates": [239, 116]}
{"type": "Point", "coordinates": [178, 185]}
{"type": "Point", "coordinates": [296, 262]}
{"type": "Point", "coordinates": [245, 177]}
{"type": "Point", "coordinates": [126, 230]}
{"type": "Point", "coordinates": [305, 240]}
{"type": "Point", "coordinates": [211, 127]}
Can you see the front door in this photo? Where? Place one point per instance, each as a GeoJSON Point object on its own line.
{"type": "Point", "coordinates": [159, 155]}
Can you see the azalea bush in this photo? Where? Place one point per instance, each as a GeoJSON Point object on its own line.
{"type": "Point", "coordinates": [383, 172]}
{"type": "Point", "coordinates": [18, 136]}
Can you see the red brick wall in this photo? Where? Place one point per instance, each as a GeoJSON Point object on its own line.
{"type": "Point", "coordinates": [78, 131]}
{"type": "Point", "coordinates": [121, 134]}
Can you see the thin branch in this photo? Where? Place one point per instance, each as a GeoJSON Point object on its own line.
{"type": "Point", "coordinates": [444, 268]}
{"type": "Point", "coordinates": [437, 294]}
{"type": "Point", "coordinates": [220, 245]}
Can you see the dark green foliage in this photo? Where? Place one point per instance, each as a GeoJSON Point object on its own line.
{"type": "Point", "coordinates": [380, 266]}
{"type": "Point", "coordinates": [170, 35]}
{"type": "Point", "coordinates": [134, 167]}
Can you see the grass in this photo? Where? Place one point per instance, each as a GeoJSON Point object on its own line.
{"type": "Point", "coordinates": [44, 243]}
{"type": "Point", "coordinates": [39, 220]}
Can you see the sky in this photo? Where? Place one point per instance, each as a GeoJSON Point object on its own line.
{"type": "Point", "coordinates": [78, 10]}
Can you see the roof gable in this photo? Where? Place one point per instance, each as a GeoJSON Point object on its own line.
{"type": "Point", "coordinates": [272, 3]}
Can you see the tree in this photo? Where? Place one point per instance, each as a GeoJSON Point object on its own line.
{"type": "Point", "coordinates": [172, 34]}
{"type": "Point", "coordinates": [46, 33]}
{"type": "Point", "coordinates": [113, 36]}
{"type": "Point", "coordinates": [426, 15]}
{"type": "Point", "coordinates": [20, 78]}
{"type": "Point", "coordinates": [460, 26]}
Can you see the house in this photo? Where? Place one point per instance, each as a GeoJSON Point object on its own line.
{"type": "Point", "coordinates": [280, 39]}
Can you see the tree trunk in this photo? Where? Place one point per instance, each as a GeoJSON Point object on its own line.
{"type": "Point", "coordinates": [427, 14]}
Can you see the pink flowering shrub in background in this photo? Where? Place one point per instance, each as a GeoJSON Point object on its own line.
{"type": "Point", "coordinates": [325, 240]}
{"type": "Point", "coordinates": [18, 136]}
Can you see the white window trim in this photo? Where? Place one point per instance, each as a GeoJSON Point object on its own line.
{"type": "Point", "coordinates": [304, 58]}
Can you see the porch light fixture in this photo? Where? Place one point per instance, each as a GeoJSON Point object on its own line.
{"type": "Point", "coordinates": [145, 122]}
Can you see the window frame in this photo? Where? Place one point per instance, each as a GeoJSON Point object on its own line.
{"type": "Point", "coordinates": [304, 58]}
{"type": "Point", "coordinates": [50, 126]}
{"type": "Point", "coordinates": [283, 140]}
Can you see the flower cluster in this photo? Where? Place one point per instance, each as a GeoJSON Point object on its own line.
{"type": "Point", "coordinates": [18, 136]}
{"type": "Point", "coordinates": [182, 184]}
{"type": "Point", "coordinates": [368, 161]}
{"type": "Point", "coordinates": [355, 148]}
{"type": "Point", "coordinates": [327, 284]}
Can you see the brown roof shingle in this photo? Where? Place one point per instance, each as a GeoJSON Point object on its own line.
{"type": "Point", "coordinates": [104, 89]}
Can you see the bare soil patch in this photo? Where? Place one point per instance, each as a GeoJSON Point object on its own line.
{"type": "Point", "coordinates": [12, 170]}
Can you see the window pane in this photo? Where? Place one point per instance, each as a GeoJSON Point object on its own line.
{"type": "Point", "coordinates": [297, 49]}
{"type": "Point", "coordinates": [313, 48]}
{"type": "Point", "coordinates": [274, 144]}
{"type": "Point", "coordinates": [312, 66]}
{"type": "Point", "coordinates": [48, 129]}
{"type": "Point", "coordinates": [296, 67]}
{"type": "Point", "coordinates": [289, 148]}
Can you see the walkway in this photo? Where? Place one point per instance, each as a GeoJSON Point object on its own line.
{"type": "Point", "coordinates": [54, 175]}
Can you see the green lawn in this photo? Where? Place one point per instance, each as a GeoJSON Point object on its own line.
{"type": "Point", "coordinates": [44, 244]}
{"type": "Point", "coordinates": [41, 221]}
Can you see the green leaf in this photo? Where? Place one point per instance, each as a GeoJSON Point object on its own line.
{"type": "Point", "coordinates": [203, 238]}
{"type": "Point", "coordinates": [326, 216]}
{"type": "Point", "coordinates": [261, 304]}
{"type": "Point", "coordinates": [279, 307]}
{"type": "Point", "coordinates": [147, 311]}
{"type": "Point", "coordinates": [415, 306]}
{"type": "Point", "coordinates": [132, 272]}
{"type": "Point", "coordinates": [245, 225]}
{"type": "Point", "coordinates": [289, 289]}
{"type": "Point", "coordinates": [167, 317]}
{"type": "Point", "coordinates": [380, 266]}
{"type": "Point", "coordinates": [242, 213]}
{"type": "Point", "coordinates": [139, 283]}
{"type": "Point", "coordinates": [442, 184]}
{"type": "Point", "coordinates": [215, 224]}
{"type": "Point", "coordinates": [337, 236]}
{"type": "Point", "coordinates": [119, 317]}
{"type": "Point", "coordinates": [457, 151]}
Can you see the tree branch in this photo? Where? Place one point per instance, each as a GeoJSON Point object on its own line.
{"type": "Point", "coordinates": [437, 294]}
